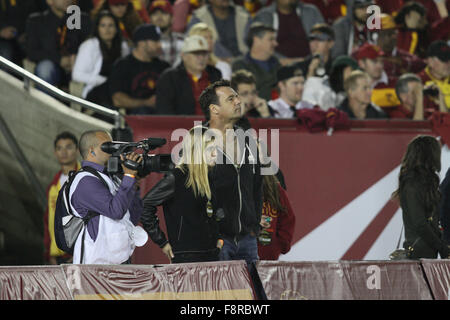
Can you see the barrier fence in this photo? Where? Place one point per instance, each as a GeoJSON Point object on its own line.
{"type": "Point", "coordinates": [231, 280]}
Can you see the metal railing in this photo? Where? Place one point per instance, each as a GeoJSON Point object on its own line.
{"type": "Point", "coordinates": [28, 77]}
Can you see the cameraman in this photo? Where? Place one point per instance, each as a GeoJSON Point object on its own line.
{"type": "Point", "coordinates": [111, 234]}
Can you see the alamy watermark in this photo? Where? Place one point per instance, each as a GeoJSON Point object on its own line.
{"type": "Point", "coordinates": [374, 280]}
{"type": "Point", "coordinates": [255, 142]}
{"type": "Point", "coordinates": [74, 20]}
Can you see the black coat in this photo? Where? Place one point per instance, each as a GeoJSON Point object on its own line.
{"type": "Point", "coordinates": [189, 228]}
{"type": "Point", "coordinates": [445, 207]}
{"type": "Point", "coordinates": [238, 191]}
{"type": "Point", "coordinates": [174, 92]}
{"type": "Point", "coordinates": [421, 223]}
{"type": "Point", "coordinates": [43, 39]}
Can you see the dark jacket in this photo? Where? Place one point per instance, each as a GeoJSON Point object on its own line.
{"type": "Point", "coordinates": [421, 223]}
{"type": "Point", "coordinates": [238, 191]}
{"type": "Point", "coordinates": [266, 80]}
{"type": "Point", "coordinates": [44, 42]}
{"type": "Point", "coordinates": [15, 13]}
{"type": "Point", "coordinates": [189, 228]}
{"type": "Point", "coordinates": [174, 92]}
{"type": "Point", "coordinates": [444, 208]}
{"type": "Point", "coordinates": [372, 112]}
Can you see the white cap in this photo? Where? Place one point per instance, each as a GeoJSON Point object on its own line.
{"type": "Point", "coordinates": [195, 43]}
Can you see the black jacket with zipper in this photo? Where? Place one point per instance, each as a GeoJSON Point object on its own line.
{"type": "Point", "coordinates": [189, 228]}
{"type": "Point", "coordinates": [422, 231]}
{"type": "Point", "coordinates": [237, 189]}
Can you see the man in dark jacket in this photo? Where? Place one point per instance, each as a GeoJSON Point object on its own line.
{"type": "Point", "coordinates": [179, 88]}
{"type": "Point", "coordinates": [235, 180]}
{"type": "Point", "coordinates": [52, 44]}
{"type": "Point", "coordinates": [444, 208]}
{"type": "Point", "coordinates": [261, 60]}
{"type": "Point", "coordinates": [357, 104]}
{"type": "Point", "coordinates": [13, 16]}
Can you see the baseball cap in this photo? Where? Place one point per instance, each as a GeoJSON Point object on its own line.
{"type": "Point", "coordinates": [387, 22]}
{"type": "Point", "coordinates": [146, 32]}
{"type": "Point", "coordinates": [439, 49]}
{"type": "Point", "coordinates": [287, 72]}
{"type": "Point", "coordinates": [117, 2]}
{"type": "Point", "coordinates": [367, 51]}
{"type": "Point", "coordinates": [163, 5]}
{"type": "Point", "coordinates": [195, 43]}
{"type": "Point", "coordinates": [321, 32]}
{"type": "Point", "coordinates": [344, 60]}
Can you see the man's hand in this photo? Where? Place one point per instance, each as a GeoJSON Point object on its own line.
{"type": "Point", "coordinates": [133, 157]}
{"type": "Point", "coordinates": [443, 107]}
{"type": "Point", "coordinates": [151, 102]}
{"type": "Point", "coordinates": [417, 90]}
{"type": "Point", "coordinates": [66, 63]}
{"type": "Point", "coordinates": [8, 33]}
{"type": "Point", "coordinates": [167, 250]}
{"type": "Point", "coordinates": [313, 65]}
{"type": "Point", "coordinates": [265, 221]}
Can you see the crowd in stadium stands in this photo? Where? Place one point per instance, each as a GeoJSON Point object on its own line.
{"type": "Point", "coordinates": [123, 62]}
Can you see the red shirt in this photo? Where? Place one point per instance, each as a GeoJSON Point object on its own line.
{"type": "Point", "coordinates": [390, 6]}
{"type": "Point", "coordinates": [292, 39]}
{"type": "Point", "coordinates": [280, 231]}
{"type": "Point", "coordinates": [399, 112]}
{"type": "Point", "coordinates": [402, 62]}
{"type": "Point", "coordinates": [330, 9]}
{"type": "Point", "coordinates": [432, 10]}
{"type": "Point", "coordinates": [198, 85]}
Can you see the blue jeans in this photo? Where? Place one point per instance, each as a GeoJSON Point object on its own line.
{"type": "Point", "coordinates": [245, 249]}
{"type": "Point", "coordinates": [48, 71]}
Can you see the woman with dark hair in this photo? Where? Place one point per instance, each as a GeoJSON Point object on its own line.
{"type": "Point", "coordinates": [328, 92]}
{"type": "Point", "coordinates": [419, 196]}
{"type": "Point", "coordinates": [125, 13]}
{"type": "Point", "coordinates": [412, 28]}
{"type": "Point", "coordinates": [96, 56]}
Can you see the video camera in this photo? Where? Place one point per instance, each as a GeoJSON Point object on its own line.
{"type": "Point", "coordinates": [149, 163]}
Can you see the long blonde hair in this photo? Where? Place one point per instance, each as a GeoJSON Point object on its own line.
{"type": "Point", "coordinates": [193, 161]}
{"type": "Point", "coordinates": [200, 29]}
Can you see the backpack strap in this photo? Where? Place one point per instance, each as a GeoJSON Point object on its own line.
{"type": "Point", "coordinates": [91, 214]}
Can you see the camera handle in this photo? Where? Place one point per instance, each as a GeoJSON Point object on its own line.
{"type": "Point", "coordinates": [130, 164]}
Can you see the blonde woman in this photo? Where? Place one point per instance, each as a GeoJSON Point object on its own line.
{"type": "Point", "coordinates": [202, 29]}
{"type": "Point", "coordinates": [185, 195]}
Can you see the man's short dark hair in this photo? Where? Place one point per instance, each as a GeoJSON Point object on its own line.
{"type": "Point", "coordinates": [209, 96]}
{"type": "Point", "coordinates": [242, 76]}
{"type": "Point", "coordinates": [88, 139]}
{"type": "Point", "coordinates": [66, 135]}
{"type": "Point", "coordinates": [401, 86]}
{"type": "Point", "coordinates": [257, 29]}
